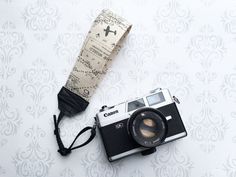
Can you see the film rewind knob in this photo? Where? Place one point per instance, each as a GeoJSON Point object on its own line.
{"type": "Point", "coordinates": [104, 107]}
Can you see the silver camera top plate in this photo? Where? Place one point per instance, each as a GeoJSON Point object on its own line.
{"type": "Point", "coordinates": [154, 99]}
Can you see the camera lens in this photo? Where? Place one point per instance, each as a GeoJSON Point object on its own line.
{"type": "Point", "coordinates": [148, 127]}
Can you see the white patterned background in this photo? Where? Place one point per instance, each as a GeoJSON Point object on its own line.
{"type": "Point", "coordinates": [184, 45]}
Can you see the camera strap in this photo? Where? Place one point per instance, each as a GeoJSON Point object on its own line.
{"type": "Point", "coordinates": [101, 44]}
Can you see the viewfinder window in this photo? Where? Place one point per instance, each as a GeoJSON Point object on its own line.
{"type": "Point", "coordinates": [136, 104]}
{"type": "Point", "coordinates": [155, 99]}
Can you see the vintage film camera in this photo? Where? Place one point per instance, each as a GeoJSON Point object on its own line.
{"type": "Point", "coordinates": [141, 124]}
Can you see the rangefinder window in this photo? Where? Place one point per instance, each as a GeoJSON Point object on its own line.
{"type": "Point", "coordinates": [136, 104]}
{"type": "Point", "coordinates": [155, 99]}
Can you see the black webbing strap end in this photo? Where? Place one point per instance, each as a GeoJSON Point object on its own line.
{"type": "Point", "coordinates": [62, 149]}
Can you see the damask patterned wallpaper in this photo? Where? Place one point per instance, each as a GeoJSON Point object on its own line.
{"type": "Point", "coordinates": [186, 46]}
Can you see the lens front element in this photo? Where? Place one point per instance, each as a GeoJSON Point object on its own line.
{"type": "Point", "coordinates": [148, 127]}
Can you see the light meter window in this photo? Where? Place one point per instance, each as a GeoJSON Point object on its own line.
{"type": "Point", "coordinates": [155, 99]}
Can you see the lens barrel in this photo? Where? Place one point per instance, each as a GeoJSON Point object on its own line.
{"type": "Point", "coordinates": [148, 127]}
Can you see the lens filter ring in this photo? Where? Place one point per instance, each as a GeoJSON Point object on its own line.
{"type": "Point", "coordinates": [148, 127]}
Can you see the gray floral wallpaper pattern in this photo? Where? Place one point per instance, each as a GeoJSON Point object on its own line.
{"type": "Point", "coordinates": [186, 46]}
{"type": "Point", "coordinates": [33, 161]}
{"type": "Point", "coordinates": [12, 46]}
{"type": "Point", "coordinates": [40, 17]}
{"type": "Point", "coordinates": [37, 82]}
{"type": "Point", "coordinates": [10, 119]}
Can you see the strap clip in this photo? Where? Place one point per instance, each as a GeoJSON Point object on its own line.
{"type": "Point", "coordinates": [95, 123]}
{"type": "Point", "coordinates": [176, 99]}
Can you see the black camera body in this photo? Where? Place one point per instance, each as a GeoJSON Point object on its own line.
{"type": "Point", "coordinates": [140, 125]}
